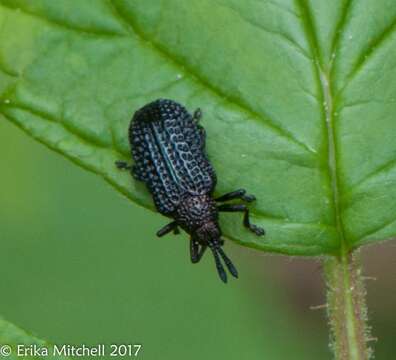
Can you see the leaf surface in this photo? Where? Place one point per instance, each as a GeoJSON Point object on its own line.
{"type": "Point", "coordinates": [298, 98]}
{"type": "Point", "coordinates": [16, 343]}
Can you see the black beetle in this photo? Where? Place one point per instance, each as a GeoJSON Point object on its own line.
{"type": "Point", "coordinates": [168, 149]}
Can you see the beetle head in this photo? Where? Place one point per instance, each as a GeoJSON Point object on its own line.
{"type": "Point", "coordinates": [209, 235]}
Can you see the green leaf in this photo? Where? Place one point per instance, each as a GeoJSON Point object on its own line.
{"type": "Point", "coordinates": [14, 341]}
{"type": "Point", "coordinates": [298, 97]}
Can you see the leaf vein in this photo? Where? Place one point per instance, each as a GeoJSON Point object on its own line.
{"type": "Point", "coordinates": [381, 169]}
{"type": "Point", "coordinates": [368, 53]}
{"type": "Point", "coordinates": [63, 25]}
{"type": "Point", "coordinates": [211, 87]}
{"type": "Point", "coordinates": [373, 231]}
{"type": "Point", "coordinates": [90, 140]}
{"type": "Point", "coordinates": [340, 27]}
{"type": "Point", "coordinates": [279, 34]}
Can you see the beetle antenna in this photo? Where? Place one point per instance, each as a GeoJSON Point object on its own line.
{"type": "Point", "coordinates": [230, 266]}
{"type": "Point", "coordinates": [219, 266]}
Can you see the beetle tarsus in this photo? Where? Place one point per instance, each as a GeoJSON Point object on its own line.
{"type": "Point", "coordinates": [122, 165]}
{"type": "Point", "coordinates": [197, 115]}
{"type": "Point", "coordinates": [246, 219]}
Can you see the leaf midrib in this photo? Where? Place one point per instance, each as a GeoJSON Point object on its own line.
{"type": "Point", "coordinates": [324, 80]}
{"type": "Point", "coordinates": [332, 158]}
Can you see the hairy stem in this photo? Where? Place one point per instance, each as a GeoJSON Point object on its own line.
{"type": "Point", "coordinates": [346, 307]}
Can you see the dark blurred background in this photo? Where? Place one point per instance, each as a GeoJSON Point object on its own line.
{"type": "Point", "coordinates": [81, 264]}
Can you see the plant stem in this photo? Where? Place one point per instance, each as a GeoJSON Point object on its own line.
{"type": "Point", "coordinates": [346, 307]}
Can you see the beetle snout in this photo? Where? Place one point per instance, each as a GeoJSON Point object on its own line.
{"type": "Point", "coordinates": [209, 233]}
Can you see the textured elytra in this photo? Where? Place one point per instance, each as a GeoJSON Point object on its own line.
{"type": "Point", "coordinates": [168, 150]}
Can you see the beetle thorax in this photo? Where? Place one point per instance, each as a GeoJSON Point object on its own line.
{"type": "Point", "coordinates": [196, 211]}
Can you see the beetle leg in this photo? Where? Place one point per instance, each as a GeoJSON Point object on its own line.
{"type": "Point", "coordinates": [168, 228]}
{"type": "Point", "coordinates": [237, 194]}
{"type": "Point", "coordinates": [246, 221]}
{"type": "Point", "coordinates": [197, 115]}
{"type": "Point", "coordinates": [123, 165]}
{"type": "Point", "coordinates": [195, 251]}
